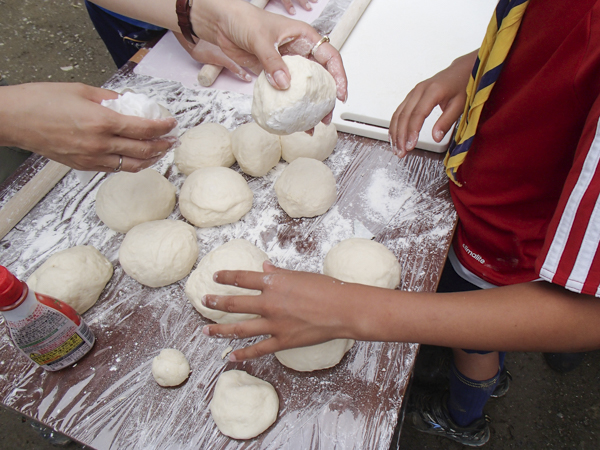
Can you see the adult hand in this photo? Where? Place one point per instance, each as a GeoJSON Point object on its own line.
{"type": "Point", "coordinates": [65, 122]}
{"type": "Point", "coordinates": [207, 53]}
{"type": "Point", "coordinates": [296, 308]}
{"type": "Point", "coordinates": [289, 5]}
{"type": "Point", "coordinates": [447, 89]}
{"type": "Point", "coordinates": [256, 39]}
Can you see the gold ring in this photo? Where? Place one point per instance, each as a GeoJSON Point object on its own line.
{"type": "Point", "coordinates": [323, 40]}
{"type": "Point", "coordinates": [120, 166]}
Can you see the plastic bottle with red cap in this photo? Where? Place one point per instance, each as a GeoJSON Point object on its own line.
{"type": "Point", "coordinates": [46, 330]}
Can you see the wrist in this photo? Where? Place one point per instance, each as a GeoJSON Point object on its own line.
{"type": "Point", "coordinates": [183, 9]}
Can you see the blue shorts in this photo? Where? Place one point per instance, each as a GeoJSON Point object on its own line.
{"type": "Point", "coordinates": [122, 36]}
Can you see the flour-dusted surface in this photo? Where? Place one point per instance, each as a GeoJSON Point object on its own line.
{"type": "Point", "coordinates": [109, 399]}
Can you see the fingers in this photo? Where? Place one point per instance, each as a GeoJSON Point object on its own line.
{"type": "Point", "coordinates": [258, 350]}
{"type": "Point", "coordinates": [139, 128]}
{"type": "Point", "coordinates": [108, 162]}
{"type": "Point", "coordinates": [330, 58]}
{"type": "Point", "coordinates": [240, 278]}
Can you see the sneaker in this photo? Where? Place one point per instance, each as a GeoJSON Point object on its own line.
{"type": "Point", "coordinates": [503, 383]}
{"type": "Point", "coordinates": [432, 370]}
{"type": "Point", "coordinates": [428, 412]}
{"type": "Point", "coordinates": [564, 362]}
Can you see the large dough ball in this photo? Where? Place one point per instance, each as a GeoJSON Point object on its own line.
{"type": "Point", "coordinates": [126, 199]}
{"type": "Point", "coordinates": [310, 97]}
{"type": "Point", "coordinates": [257, 151]}
{"type": "Point", "coordinates": [315, 357]}
{"type": "Point", "coordinates": [205, 145]}
{"type": "Point", "coordinates": [160, 252]}
{"type": "Point", "coordinates": [170, 367]}
{"type": "Point", "coordinates": [243, 406]}
{"type": "Point", "coordinates": [306, 188]}
{"type": "Point", "coordinates": [214, 196]}
{"type": "Point", "coordinates": [76, 276]}
{"type": "Point", "coordinates": [363, 261]}
{"type": "Point", "coordinates": [238, 254]}
{"type": "Point", "coordinates": [302, 145]}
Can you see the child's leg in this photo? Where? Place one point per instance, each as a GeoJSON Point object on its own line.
{"type": "Point", "coordinates": [473, 378]}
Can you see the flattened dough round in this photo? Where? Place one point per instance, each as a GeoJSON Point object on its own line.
{"type": "Point", "coordinates": [170, 367]}
{"type": "Point", "coordinates": [160, 252]}
{"type": "Point", "coordinates": [238, 254]}
{"type": "Point", "coordinates": [205, 145]}
{"type": "Point", "coordinates": [306, 188]}
{"type": "Point", "coordinates": [213, 196]}
{"type": "Point", "coordinates": [359, 260]}
{"type": "Point", "coordinates": [302, 145]}
{"type": "Point", "coordinates": [257, 151]}
{"type": "Point", "coordinates": [310, 97]}
{"type": "Point", "coordinates": [243, 406]}
{"type": "Point", "coordinates": [315, 357]}
{"type": "Point", "coordinates": [76, 276]}
{"type": "Point", "coordinates": [126, 199]}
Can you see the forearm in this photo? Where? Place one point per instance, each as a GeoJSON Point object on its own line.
{"type": "Point", "coordinates": [526, 317]}
{"type": "Point", "coordinates": [205, 13]}
{"type": "Point", "coordinates": [9, 108]}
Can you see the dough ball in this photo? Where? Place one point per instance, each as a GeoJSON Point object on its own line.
{"type": "Point", "coordinates": [243, 406]}
{"type": "Point", "coordinates": [301, 145]}
{"type": "Point", "coordinates": [126, 199]}
{"type": "Point", "coordinates": [160, 252]}
{"type": "Point", "coordinates": [170, 367]}
{"type": "Point", "coordinates": [76, 276]}
{"type": "Point", "coordinates": [363, 261]}
{"type": "Point", "coordinates": [315, 357]}
{"type": "Point", "coordinates": [310, 97]}
{"type": "Point", "coordinates": [257, 151]}
{"type": "Point", "coordinates": [205, 145]}
{"type": "Point", "coordinates": [306, 188]}
{"type": "Point", "coordinates": [214, 196]}
{"type": "Point", "coordinates": [238, 254]}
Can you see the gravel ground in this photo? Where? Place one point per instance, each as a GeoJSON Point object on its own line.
{"type": "Point", "coordinates": [54, 41]}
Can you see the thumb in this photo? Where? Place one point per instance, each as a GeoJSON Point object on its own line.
{"type": "Point", "coordinates": [277, 73]}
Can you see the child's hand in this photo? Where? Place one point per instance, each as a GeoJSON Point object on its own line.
{"type": "Point", "coordinates": [447, 89]}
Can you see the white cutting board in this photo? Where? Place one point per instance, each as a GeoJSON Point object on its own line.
{"type": "Point", "coordinates": [395, 45]}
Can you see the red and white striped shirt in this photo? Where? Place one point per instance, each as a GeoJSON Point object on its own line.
{"type": "Point", "coordinates": [527, 206]}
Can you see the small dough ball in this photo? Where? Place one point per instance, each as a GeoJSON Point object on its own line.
{"type": "Point", "coordinates": [310, 97]}
{"type": "Point", "coordinates": [160, 252]}
{"type": "Point", "coordinates": [306, 188]}
{"type": "Point", "coordinates": [238, 254]}
{"type": "Point", "coordinates": [170, 367]}
{"type": "Point", "coordinates": [205, 145]}
{"type": "Point", "coordinates": [257, 151]}
{"type": "Point", "coordinates": [315, 357]}
{"type": "Point", "coordinates": [359, 260]}
{"type": "Point", "coordinates": [302, 145]}
{"type": "Point", "coordinates": [126, 199]}
{"type": "Point", "coordinates": [243, 406]}
{"type": "Point", "coordinates": [76, 276]}
{"type": "Point", "coordinates": [214, 196]}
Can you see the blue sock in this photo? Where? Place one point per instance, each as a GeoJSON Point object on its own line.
{"type": "Point", "coordinates": [468, 397]}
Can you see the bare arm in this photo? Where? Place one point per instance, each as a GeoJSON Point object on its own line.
{"type": "Point", "coordinates": [65, 122]}
{"type": "Point", "coordinates": [300, 309]}
{"type": "Point", "coordinates": [447, 89]}
{"type": "Point", "coordinates": [251, 37]}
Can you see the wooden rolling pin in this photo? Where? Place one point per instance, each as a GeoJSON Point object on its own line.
{"type": "Point", "coordinates": [209, 73]}
{"type": "Point", "coordinates": [344, 27]}
{"type": "Point", "coordinates": [30, 194]}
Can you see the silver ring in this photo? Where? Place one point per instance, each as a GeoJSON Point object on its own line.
{"type": "Point", "coordinates": [323, 40]}
{"type": "Point", "coordinates": [120, 166]}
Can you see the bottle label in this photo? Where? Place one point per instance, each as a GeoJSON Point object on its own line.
{"type": "Point", "coordinates": [53, 335]}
